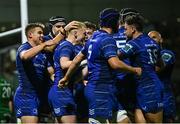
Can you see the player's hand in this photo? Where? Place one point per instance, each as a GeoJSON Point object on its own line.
{"type": "Point", "coordinates": [138, 71]}
{"type": "Point", "coordinates": [71, 25]}
{"type": "Point", "coordinates": [62, 32]}
{"type": "Point", "coordinates": [63, 82]}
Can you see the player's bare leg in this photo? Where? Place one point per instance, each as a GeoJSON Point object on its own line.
{"type": "Point", "coordinates": [29, 119]}
{"type": "Point", "coordinates": [139, 117]}
{"type": "Point", "coordinates": [154, 117]}
{"type": "Point", "coordinates": [67, 119]}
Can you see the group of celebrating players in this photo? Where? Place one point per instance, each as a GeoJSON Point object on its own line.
{"type": "Point", "coordinates": [81, 74]}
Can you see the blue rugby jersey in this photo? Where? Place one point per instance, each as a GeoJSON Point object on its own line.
{"type": "Point", "coordinates": [145, 52]}
{"type": "Point", "coordinates": [98, 49]}
{"type": "Point", "coordinates": [32, 73]}
{"type": "Point", "coordinates": [64, 49]}
{"type": "Point", "coordinates": [168, 59]}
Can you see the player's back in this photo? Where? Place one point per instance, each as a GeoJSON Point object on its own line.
{"type": "Point", "coordinates": [98, 67]}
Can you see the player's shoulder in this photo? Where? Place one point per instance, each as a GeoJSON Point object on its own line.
{"type": "Point", "coordinates": [61, 44]}
{"type": "Point", "coordinates": [24, 46]}
{"type": "Point", "coordinates": [101, 35]}
{"type": "Point", "coordinates": [66, 43]}
{"type": "Point", "coordinates": [132, 42]}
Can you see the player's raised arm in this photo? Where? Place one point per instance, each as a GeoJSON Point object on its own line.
{"type": "Point", "coordinates": [61, 35]}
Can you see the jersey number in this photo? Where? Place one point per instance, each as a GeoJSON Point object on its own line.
{"type": "Point", "coordinates": [120, 43]}
{"type": "Point", "coordinates": [6, 92]}
{"type": "Point", "coordinates": [152, 56]}
{"type": "Point", "coordinates": [89, 51]}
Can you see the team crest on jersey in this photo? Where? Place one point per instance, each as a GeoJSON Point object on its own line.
{"type": "Point", "coordinates": [91, 111]}
{"type": "Point", "coordinates": [35, 111]}
{"type": "Point", "coordinates": [127, 48]}
{"type": "Point", "coordinates": [57, 110]}
{"type": "Point", "coordinates": [144, 108]}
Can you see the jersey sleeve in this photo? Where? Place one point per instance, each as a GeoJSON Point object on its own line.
{"type": "Point", "coordinates": [168, 58]}
{"type": "Point", "coordinates": [128, 50]}
{"type": "Point", "coordinates": [65, 51]}
{"type": "Point", "coordinates": [109, 48]}
{"type": "Point", "coordinates": [23, 48]}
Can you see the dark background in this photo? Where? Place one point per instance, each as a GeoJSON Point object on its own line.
{"type": "Point", "coordinates": [161, 15]}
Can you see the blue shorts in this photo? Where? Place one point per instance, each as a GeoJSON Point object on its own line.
{"type": "Point", "coordinates": [169, 108]}
{"type": "Point", "coordinates": [126, 92]}
{"type": "Point", "coordinates": [61, 101]}
{"type": "Point", "coordinates": [149, 96]}
{"type": "Point", "coordinates": [102, 100]}
{"type": "Point", "coordinates": [26, 103]}
{"type": "Point", "coordinates": [82, 104]}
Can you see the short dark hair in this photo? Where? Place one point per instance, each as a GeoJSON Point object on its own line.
{"type": "Point", "coordinates": [135, 20]}
{"type": "Point", "coordinates": [90, 25]}
{"type": "Point", "coordinates": [31, 26]}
